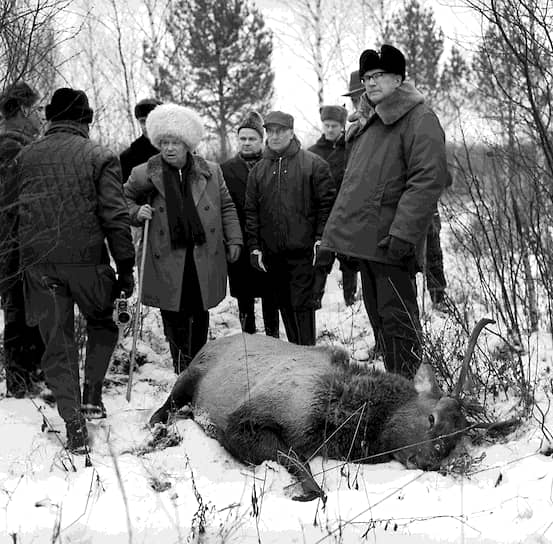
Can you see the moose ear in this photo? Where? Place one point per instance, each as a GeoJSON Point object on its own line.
{"type": "Point", "coordinates": [425, 381]}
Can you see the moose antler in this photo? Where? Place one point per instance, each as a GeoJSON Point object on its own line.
{"type": "Point", "coordinates": [468, 356]}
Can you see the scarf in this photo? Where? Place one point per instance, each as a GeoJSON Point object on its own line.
{"type": "Point", "coordinates": [251, 160]}
{"type": "Point", "coordinates": [185, 227]}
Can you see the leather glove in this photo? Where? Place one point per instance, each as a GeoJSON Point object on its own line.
{"type": "Point", "coordinates": [256, 260]}
{"type": "Point", "coordinates": [125, 279]}
{"type": "Point", "coordinates": [398, 249]}
{"type": "Point", "coordinates": [233, 252]}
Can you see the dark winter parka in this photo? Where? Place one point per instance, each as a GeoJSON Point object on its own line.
{"type": "Point", "coordinates": [288, 199]}
{"type": "Point", "coordinates": [334, 153]}
{"type": "Point", "coordinates": [12, 139]}
{"type": "Point", "coordinates": [164, 267]}
{"type": "Point", "coordinates": [395, 174]}
{"type": "Point", "coordinates": [137, 153]}
{"type": "Point", "coordinates": [244, 280]}
{"type": "Point", "coordinates": [71, 201]}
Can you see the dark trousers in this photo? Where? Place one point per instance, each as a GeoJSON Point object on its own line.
{"type": "Point", "coordinates": [23, 345]}
{"type": "Point", "coordinates": [349, 267]}
{"type": "Point", "coordinates": [269, 307]}
{"type": "Point", "coordinates": [390, 297]}
{"type": "Point", "coordinates": [52, 291]}
{"type": "Point", "coordinates": [435, 278]}
{"type": "Point", "coordinates": [186, 329]}
{"type": "Point", "coordinates": [291, 275]}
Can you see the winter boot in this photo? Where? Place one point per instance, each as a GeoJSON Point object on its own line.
{"type": "Point", "coordinates": [92, 406]}
{"type": "Point", "coordinates": [77, 436]}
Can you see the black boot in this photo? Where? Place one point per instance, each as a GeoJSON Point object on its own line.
{"type": "Point", "coordinates": [92, 406]}
{"type": "Point", "coordinates": [77, 436]}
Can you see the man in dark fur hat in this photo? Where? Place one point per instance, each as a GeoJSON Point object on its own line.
{"type": "Point", "coordinates": [396, 171]}
{"type": "Point", "coordinates": [141, 149]}
{"type": "Point", "coordinates": [246, 282]}
{"type": "Point", "coordinates": [23, 347]}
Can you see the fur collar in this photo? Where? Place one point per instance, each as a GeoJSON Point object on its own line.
{"type": "Point", "coordinates": [399, 103]}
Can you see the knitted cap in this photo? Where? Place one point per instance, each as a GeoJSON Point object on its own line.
{"type": "Point", "coordinates": [15, 97]}
{"type": "Point", "coordinates": [69, 105]}
{"type": "Point", "coordinates": [254, 121]}
{"type": "Point", "coordinates": [389, 59]}
{"type": "Point", "coordinates": [334, 113]}
{"type": "Point", "coordinates": [145, 106]}
{"type": "Point", "coordinates": [175, 121]}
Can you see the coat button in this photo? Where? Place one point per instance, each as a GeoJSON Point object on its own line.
{"type": "Point", "coordinates": [161, 208]}
{"type": "Point", "coordinates": [206, 208]}
{"type": "Point", "coordinates": [157, 255]}
{"type": "Point", "coordinates": [212, 229]}
{"type": "Point", "coordinates": [161, 232]}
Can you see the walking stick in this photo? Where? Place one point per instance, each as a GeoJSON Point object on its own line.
{"type": "Point", "coordinates": [138, 306]}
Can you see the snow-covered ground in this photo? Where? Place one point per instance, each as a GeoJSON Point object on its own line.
{"type": "Point", "coordinates": [195, 491]}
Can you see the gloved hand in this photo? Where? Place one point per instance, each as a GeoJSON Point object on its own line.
{"type": "Point", "coordinates": [398, 249]}
{"type": "Point", "coordinates": [125, 282]}
{"type": "Point", "coordinates": [256, 260]}
{"type": "Point", "coordinates": [233, 252]}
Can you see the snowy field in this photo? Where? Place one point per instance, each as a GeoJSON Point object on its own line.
{"type": "Point", "coordinates": [195, 491]}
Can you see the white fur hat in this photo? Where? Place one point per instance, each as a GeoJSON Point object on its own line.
{"type": "Point", "coordinates": [177, 121]}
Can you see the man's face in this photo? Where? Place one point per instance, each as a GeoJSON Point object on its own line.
{"type": "Point", "coordinates": [250, 141]}
{"type": "Point", "coordinates": [278, 137]}
{"type": "Point", "coordinates": [35, 116]}
{"type": "Point", "coordinates": [142, 123]}
{"type": "Point", "coordinates": [380, 84]}
{"type": "Point", "coordinates": [332, 129]}
{"type": "Point", "coordinates": [173, 151]}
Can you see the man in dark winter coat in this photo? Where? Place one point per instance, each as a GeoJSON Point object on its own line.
{"type": "Point", "coordinates": [331, 146]}
{"type": "Point", "coordinates": [23, 346]}
{"type": "Point", "coordinates": [396, 172]}
{"type": "Point", "coordinates": [70, 202]}
{"type": "Point", "coordinates": [246, 282]}
{"type": "Point", "coordinates": [141, 149]}
{"type": "Point", "coordinates": [288, 198]}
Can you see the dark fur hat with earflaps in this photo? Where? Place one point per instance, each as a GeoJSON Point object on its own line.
{"type": "Point", "coordinates": [254, 121]}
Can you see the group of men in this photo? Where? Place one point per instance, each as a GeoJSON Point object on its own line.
{"type": "Point", "coordinates": [277, 215]}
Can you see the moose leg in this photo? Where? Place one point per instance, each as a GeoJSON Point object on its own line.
{"type": "Point", "coordinates": [181, 394]}
{"type": "Point", "coordinates": [253, 438]}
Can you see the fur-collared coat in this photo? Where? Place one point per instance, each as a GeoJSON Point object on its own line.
{"type": "Point", "coordinates": [395, 174]}
{"type": "Point", "coordinates": [164, 266]}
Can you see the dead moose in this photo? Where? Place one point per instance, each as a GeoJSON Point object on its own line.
{"type": "Point", "coordinates": [270, 399]}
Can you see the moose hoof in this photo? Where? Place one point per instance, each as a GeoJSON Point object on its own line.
{"type": "Point", "coordinates": [307, 496]}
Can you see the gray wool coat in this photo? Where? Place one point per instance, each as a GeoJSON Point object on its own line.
{"type": "Point", "coordinates": [164, 266]}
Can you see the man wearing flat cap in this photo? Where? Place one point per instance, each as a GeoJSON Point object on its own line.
{"type": "Point", "coordinates": [288, 198]}
{"type": "Point", "coordinates": [141, 149]}
{"type": "Point", "coordinates": [331, 147]}
{"type": "Point", "coordinates": [396, 171]}
{"type": "Point", "coordinates": [246, 282]}
{"type": "Point", "coordinates": [23, 347]}
{"type": "Point", "coordinates": [71, 203]}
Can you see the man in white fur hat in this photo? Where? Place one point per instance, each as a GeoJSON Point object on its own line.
{"type": "Point", "coordinates": [194, 229]}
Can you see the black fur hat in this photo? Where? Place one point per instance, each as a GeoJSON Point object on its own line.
{"type": "Point", "coordinates": [69, 105]}
{"type": "Point", "coordinates": [254, 121]}
{"type": "Point", "coordinates": [145, 106]}
{"type": "Point", "coordinates": [389, 59]}
{"type": "Point", "coordinates": [15, 97]}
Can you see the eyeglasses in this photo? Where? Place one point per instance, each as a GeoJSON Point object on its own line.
{"type": "Point", "coordinates": [374, 77]}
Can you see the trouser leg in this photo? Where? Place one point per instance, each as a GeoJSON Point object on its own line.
{"type": "Point", "coordinates": [349, 267]}
{"type": "Point", "coordinates": [390, 295]}
{"type": "Point", "coordinates": [305, 322]}
{"type": "Point", "coordinates": [246, 312]}
{"type": "Point", "coordinates": [435, 277]}
{"type": "Point", "coordinates": [49, 292]}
